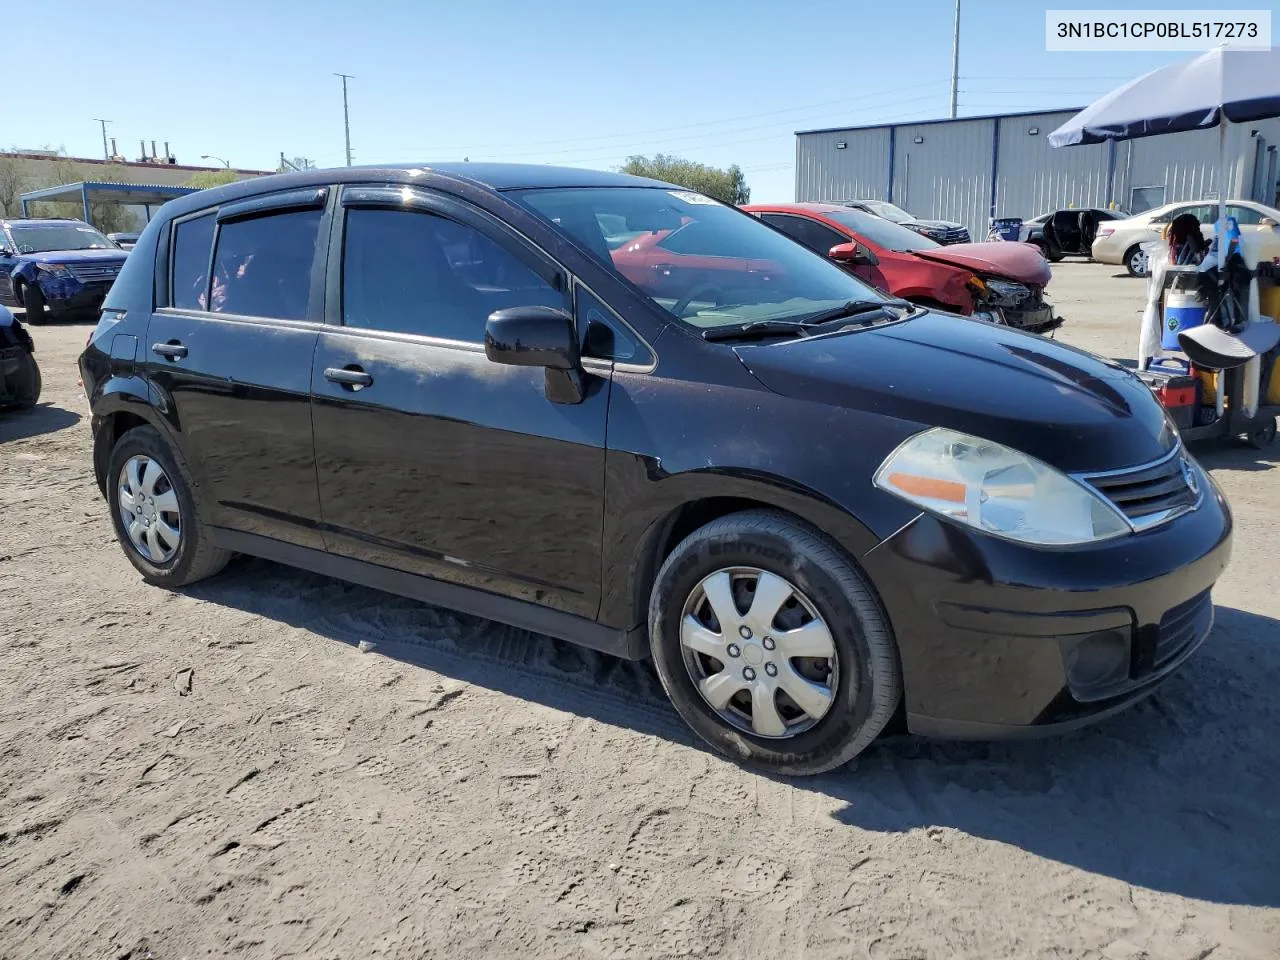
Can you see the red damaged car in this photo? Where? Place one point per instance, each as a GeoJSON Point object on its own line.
{"type": "Point", "coordinates": [1000, 282]}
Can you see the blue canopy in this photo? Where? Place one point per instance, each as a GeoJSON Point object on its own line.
{"type": "Point", "coordinates": [1239, 84]}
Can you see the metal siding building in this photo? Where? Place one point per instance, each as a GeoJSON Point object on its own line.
{"type": "Point", "coordinates": [973, 168]}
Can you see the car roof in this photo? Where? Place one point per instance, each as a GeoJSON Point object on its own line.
{"type": "Point", "coordinates": [493, 177]}
{"type": "Point", "coordinates": [25, 221]}
{"type": "Point", "coordinates": [802, 206]}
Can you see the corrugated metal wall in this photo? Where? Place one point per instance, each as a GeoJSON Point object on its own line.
{"type": "Point", "coordinates": [858, 172]}
{"type": "Point", "coordinates": [947, 176]}
{"type": "Point", "coordinates": [1035, 178]}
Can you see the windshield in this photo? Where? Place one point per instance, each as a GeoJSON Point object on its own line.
{"type": "Point", "coordinates": [887, 210]}
{"type": "Point", "coordinates": [38, 238]}
{"type": "Point", "coordinates": [702, 261]}
{"type": "Point", "coordinates": [889, 236]}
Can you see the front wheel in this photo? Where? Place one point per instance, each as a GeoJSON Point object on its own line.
{"type": "Point", "coordinates": [772, 646]}
{"type": "Point", "coordinates": [1137, 262]}
{"type": "Point", "coordinates": [33, 300]}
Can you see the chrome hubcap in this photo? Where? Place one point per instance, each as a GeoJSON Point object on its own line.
{"type": "Point", "coordinates": [1139, 261]}
{"type": "Point", "coordinates": [149, 509]}
{"type": "Point", "coordinates": [759, 652]}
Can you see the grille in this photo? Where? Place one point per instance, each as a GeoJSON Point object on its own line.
{"type": "Point", "coordinates": [94, 271]}
{"type": "Point", "coordinates": [950, 235]}
{"type": "Point", "coordinates": [1150, 494]}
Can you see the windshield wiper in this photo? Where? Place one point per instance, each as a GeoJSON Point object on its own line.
{"type": "Point", "coordinates": [756, 328]}
{"type": "Point", "coordinates": [855, 308]}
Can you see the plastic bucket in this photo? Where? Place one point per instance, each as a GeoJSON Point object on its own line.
{"type": "Point", "coordinates": [1182, 311]}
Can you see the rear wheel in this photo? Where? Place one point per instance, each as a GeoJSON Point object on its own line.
{"type": "Point", "coordinates": [1137, 262]}
{"type": "Point", "coordinates": [33, 300]}
{"type": "Point", "coordinates": [154, 513]}
{"type": "Point", "coordinates": [771, 645]}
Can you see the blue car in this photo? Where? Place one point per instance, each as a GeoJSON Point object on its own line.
{"type": "Point", "coordinates": [57, 267]}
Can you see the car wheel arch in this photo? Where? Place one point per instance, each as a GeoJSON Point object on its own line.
{"type": "Point", "coordinates": [665, 533]}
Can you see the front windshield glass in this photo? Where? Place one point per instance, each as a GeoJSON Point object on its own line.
{"type": "Point", "coordinates": [887, 210]}
{"type": "Point", "coordinates": [702, 261]}
{"type": "Point", "coordinates": [881, 232]}
{"type": "Point", "coordinates": [38, 238]}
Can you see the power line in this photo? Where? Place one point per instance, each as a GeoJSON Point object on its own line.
{"type": "Point", "coordinates": [578, 156]}
{"type": "Point", "coordinates": [803, 108]}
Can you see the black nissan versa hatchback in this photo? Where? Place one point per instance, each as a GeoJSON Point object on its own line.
{"type": "Point", "coordinates": [808, 503]}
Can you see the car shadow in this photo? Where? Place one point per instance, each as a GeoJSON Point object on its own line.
{"type": "Point", "coordinates": [1177, 794]}
{"type": "Point", "coordinates": [33, 422]}
{"type": "Point", "coordinates": [1235, 454]}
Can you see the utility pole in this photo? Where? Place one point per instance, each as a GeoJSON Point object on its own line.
{"type": "Point", "coordinates": [346, 117]}
{"type": "Point", "coordinates": [106, 154]}
{"type": "Point", "coordinates": [955, 63]}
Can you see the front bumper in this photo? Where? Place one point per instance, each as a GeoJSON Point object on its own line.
{"type": "Point", "coordinates": [73, 296]}
{"type": "Point", "coordinates": [999, 639]}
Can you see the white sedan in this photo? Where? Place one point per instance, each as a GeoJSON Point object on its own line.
{"type": "Point", "coordinates": [1119, 241]}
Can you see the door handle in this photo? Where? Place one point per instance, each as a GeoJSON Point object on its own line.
{"type": "Point", "coordinates": [170, 351]}
{"type": "Point", "coordinates": [349, 376]}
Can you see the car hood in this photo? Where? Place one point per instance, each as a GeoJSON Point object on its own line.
{"type": "Point", "coordinates": [999, 258]}
{"type": "Point", "coordinates": [1063, 406]}
{"type": "Point", "coordinates": [77, 256]}
{"type": "Point", "coordinates": [934, 224]}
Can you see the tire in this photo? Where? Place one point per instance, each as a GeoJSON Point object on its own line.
{"type": "Point", "coordinates": [1262, 435]}
{"type": "Point", "coordinates": [1054, 257]}
{"type": "Point", "coordinates": [33, 300]}
{"type": "Point", "coordinates": [28, 393]}
{"type": "Point", "coordinates": [864, 681]}
{"type": "Point", "coordinates": [1136, 262]}
{"type": "Point", "coordinates": [193, 558]}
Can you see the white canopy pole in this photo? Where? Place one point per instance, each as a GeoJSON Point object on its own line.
{"type": "Point", "coordinates": [1222, 193]}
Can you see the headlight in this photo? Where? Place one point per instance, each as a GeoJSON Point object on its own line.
{"type": "Point", "coordinates": [989, 487]}
{"type": "Point", "coordinates": [53, 269]}
{"type": "Point", "coordinates": [1007, 291]}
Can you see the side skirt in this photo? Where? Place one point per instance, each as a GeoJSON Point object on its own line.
{"type": "Point", "coordinates": [628, 644]}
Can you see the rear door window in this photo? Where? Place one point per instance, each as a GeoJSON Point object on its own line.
{"type": "Point", "coordinates": [814, 235]}
{"type": "Point", "coordinates": [192, 245]}
{"type": "Point", "coordinates": [262, 266]}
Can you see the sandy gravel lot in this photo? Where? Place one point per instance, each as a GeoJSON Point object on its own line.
{"type": "Point", "coordinates": [222, 772]}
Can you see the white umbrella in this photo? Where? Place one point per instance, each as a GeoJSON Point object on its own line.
{"type": "Point", "coordinates": [1225, 85]}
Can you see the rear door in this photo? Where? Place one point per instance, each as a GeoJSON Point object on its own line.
{"type": "Point", "coordinates": [229, 350]}
{"type": "Point", "coordinates": [431, 458]}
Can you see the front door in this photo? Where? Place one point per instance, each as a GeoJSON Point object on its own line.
{"type": "Point", "coordinates": [231, 359]}
{"type": "Point", "coordinates": [431, 458]}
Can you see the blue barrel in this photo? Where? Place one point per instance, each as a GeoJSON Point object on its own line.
{"type": "Point", "coordinates": [1182, 311]}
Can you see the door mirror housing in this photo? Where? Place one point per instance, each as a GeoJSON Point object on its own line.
{"type": "Point", "coordinates": [532, 337]}
{"type": "Point", "coordinates": [1267, 222]}
{"type": "Point", "coordinates": [539, 337]}
{"type": "Point", "coordinates": [853, 255]}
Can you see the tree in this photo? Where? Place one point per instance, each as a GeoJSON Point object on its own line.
{"type": "Point", "coordinates": [727, 186]}
{"type": "Point", "coordinates": [212, 178]}
{"type": "Point", "coordinates": [10, 185]}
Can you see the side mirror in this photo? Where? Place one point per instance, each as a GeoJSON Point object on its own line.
{"type": "Point", "coordinates": [531, 337]}
{"type": "Point", "coordinates": [5, 252]}
{"type": "Point", "coordinates": [1266, 222]}
{"type": "Point", "coordinates": [538, 337]}
{"type": "Point", "coordinates": [853, 255]}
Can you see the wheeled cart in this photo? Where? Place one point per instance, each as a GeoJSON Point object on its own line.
{"type": "Point", "coordinates": [1181, 386]}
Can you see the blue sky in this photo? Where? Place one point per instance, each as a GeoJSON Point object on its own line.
{"type": "Point", "coordinates": [557, 81]}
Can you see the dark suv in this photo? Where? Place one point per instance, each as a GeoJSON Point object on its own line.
{"type": "Point", "coordinates": [808, 502]}
{"type": "Point", "coordinates": [61, 266]}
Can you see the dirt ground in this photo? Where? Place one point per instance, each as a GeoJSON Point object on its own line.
{"type": "Point", "coordinates": [221, 772]}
